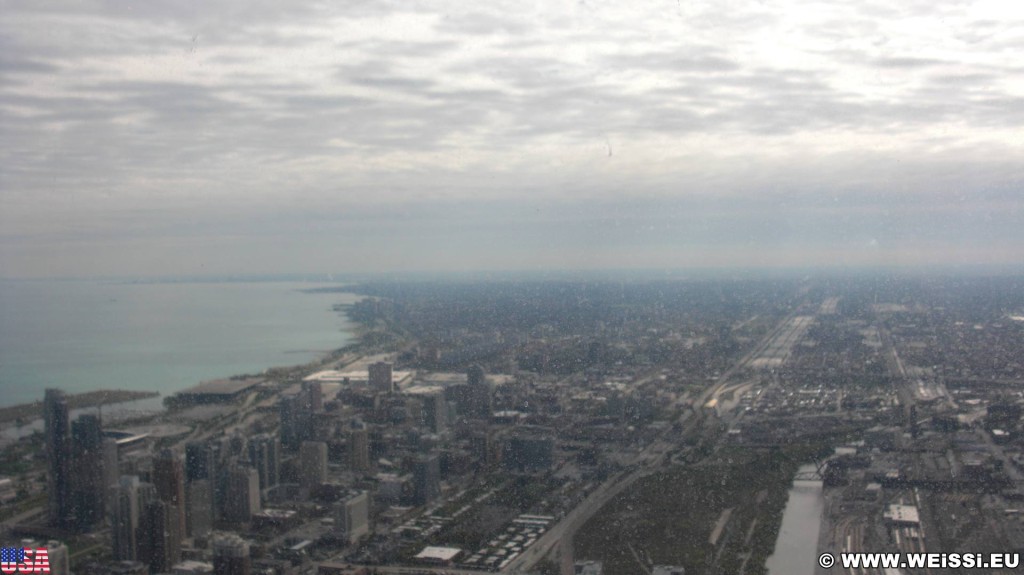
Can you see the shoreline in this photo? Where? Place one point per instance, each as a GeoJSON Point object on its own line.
{"type": "Point", "coordinates": [24, 414]}
{"type": "Point", "coordinates": [346, 354]}
{"type": "Point", "coordinates": [27, 412]}
{"type": "Point", "coordinates": [121, 339]}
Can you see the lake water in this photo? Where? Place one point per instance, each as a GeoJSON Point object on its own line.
{"type": "Point", "coordinates": [86, 335]}
{"type": "Point", "coordinates": [796, 549]}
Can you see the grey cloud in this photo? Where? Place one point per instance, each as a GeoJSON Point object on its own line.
{"type": "Point", "coordinates": [412, 85]}
{"type": "Point", "coordinates": [681, 61]}
{"type": "Point", "coordinates": [907, 62]}
{"type": "Point", "coordinates": [303, 104]}
{"type": "Point", "coordinates": [480, 23]}
{"type": "Point", "coordinates": [402, 50]}
{"type": "Point", "coordinates": [967, 79]}
{"type": "Point", "coordinates": [162, 11]}
{"type": "Point", "coordinates": [366, 145]}
{"type": "Point", "coordinates": [10, 64]}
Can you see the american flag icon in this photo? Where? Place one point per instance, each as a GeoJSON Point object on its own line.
{"type": "Point", "coordinates": [12, 555]}
{"type": "Point", "coordinates": [20, 560]}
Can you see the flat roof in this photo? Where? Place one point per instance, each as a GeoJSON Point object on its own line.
{"type": "Point", "coordinates": [902, 513]}
{"type": "Point", "coordinates": [193, 566]}
{"type": "Point", "coordinates": [301, 545]}
{"type": "Point", "coordinates": [421, 389]}
{"type": "Point", "coordinates": [362, 376]}
{"type": "Point", "coordinates": [277, 513]}
{"type": "Point", "coordinates": [443, 378]}
{"type": "Point", "coordinates": [438, 553]}
{"type": "Point", "coordinates": [222, 386]}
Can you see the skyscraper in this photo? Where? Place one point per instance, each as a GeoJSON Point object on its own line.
{"type": "Point", "coordinates": [296, 421]}
{"type": "Point", "coordinates": [159, 537]}
{"type": "Point", "coordinates": [426, 479]}
{"type": "Point", "coordinates": [128, 500]}
{"type": "Point", "coordinates": [169, 479]}
{"type": "Point", "coordinates": [353, 516]}
{"type": "Point", "coordinates": [312, 396]}
{"type": "Point", "coordinates": [478, 394]}
{"type": "Point", "coordinates": [203, 463]}
{"type": "Point", "coordinates": [87, 480]}
{"type": "Point", "coordinates": [58, 458]}
{"type": "Point", "coordinates": [265, 456]}
{"type": "Point", "coordinates": [199, 512]}
{"type": "Point", "coordinates": [381, 377]}
{"type": "Point", "coordinates": [313, 463]}
{"type": "Point", "coordinates": [200, 460]}
{"type": "Point", "coordinates": [434, 412]}
{"type": "Point", "coordinates": [359, 447]}
{"type": "Point", "coordinates": [111, 464]}
{"type": "Point", "coordinates": [242, 496]}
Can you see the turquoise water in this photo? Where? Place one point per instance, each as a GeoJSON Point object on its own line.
{"type": "Point", "coordinates": [85, 335]}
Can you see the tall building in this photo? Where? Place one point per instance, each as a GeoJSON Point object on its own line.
{"type": "Point", "coordinates": [298, 414]}
{"type": "Point", "coordinates": [231, 555]}
{"type": "Point", "coordinates": [201, 460]}
{"type": "Point", "coordinates": [435, 412]}
{"type": "Point", "coordinates": [478, 394]}
{"type": "Point", "coordinates": [111, 463]}
{"type": "Point", "coordinates": [426, 479]}
{"type": "Point", "coordinates": [381, 377]}
{"type": "Point", "coordinates": [58, 458]}
{"type": "Point", "coordinates": [481, 448]}
{"type": "Point", "coordinates": [169, 479]}
{"type": "Point", "coordinates": [159, 537]}
{"type": "Point", "coordinates": [124, 518]}
{"type": "Point", "coordinates": [312, 396]}
{"type": "Point", "coordinates": [296, 421]}
{"type": "Point", "coordinates": [199, 513]}
{"type": "Point", "coordinates": [128, 500]}
{"type": "Point", "coordinates": [353, 518]}
{"type": "Point", "coordinates": [312, 463]}
{"type": "Point", "coordinates": [359, 447]}
{"type": "Point", "coordinates": [242, 496]}
{"type": "Point", "coordinates": [265, 456]}
{"type": "Point", "coordinates": [87, 480]}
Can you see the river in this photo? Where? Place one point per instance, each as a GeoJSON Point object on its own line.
{"type": "Point", "coordinates": [796, 549]}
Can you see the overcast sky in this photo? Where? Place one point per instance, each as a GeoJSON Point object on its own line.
{"type": "Point", "coordinates": [160, 138]}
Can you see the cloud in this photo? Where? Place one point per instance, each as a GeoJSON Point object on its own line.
{"type": "Point", "coordinates": [127, 120]}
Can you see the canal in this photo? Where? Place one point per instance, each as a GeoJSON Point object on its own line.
{"type": "Point", "coordinates": [796, 549]}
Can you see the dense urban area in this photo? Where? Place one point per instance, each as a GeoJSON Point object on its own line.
{"type": "Point", "coordinates": [573, 427]}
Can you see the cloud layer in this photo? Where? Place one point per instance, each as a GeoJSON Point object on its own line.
{"type": "Point", "coordinates": [253, 137]}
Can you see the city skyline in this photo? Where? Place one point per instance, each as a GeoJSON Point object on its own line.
{"type": "Point", "coordinates": [541, 427]}
{"type": "Point", "coordinates": [247, 139]}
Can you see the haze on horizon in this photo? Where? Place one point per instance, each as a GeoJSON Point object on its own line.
{"type": "Point", "coordinates": [162, 138]}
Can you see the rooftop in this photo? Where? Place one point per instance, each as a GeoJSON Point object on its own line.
{"type": "Point", "coordinates": [902, 514]}
{"type": "Point", "coordinates": [222, 386]}
{"type": "Point", "coordinates": [438, 553]}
